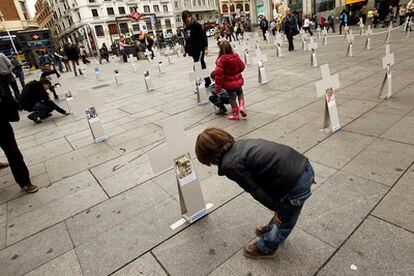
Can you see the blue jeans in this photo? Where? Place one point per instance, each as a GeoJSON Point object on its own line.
{"type": "Point", "coordinates": [288, 213]}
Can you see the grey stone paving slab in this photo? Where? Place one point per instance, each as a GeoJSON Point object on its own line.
{"type": "Point", "coordinates": [35, 251]}
{"type": "Point", "coordinates": [382, 161]}
{"type": "Point", "coordinates": [337, 207]}
{"type": "Point", "coordinates": [3, 209]}
{"type": "Point", "coordinates": [144, 265]}
{"type": "Point", "coordinates": [292, 258]}
{"type": "Point", "coordinates": [339, 149]}
{"type": "Point", "coordinates": [66, 264]}
{"type": "Point", "coordinates": [2, 235]}
{"type": "Point", "coordinates": [59, 132]}
{"type": "Point", "coordinates": [376, 248]}
{"type": "Point", "coordinates": [76, 161]}
{"type": "Point", "coordinates": [398, 205]}
{"type": "Point", "coordinates": [103, 217]}
{"type": "Point", "coordinates": [46, 151]}
{"type": "Point", "coordinates": [206, 244]}
{"type": "Point", "coordinates": [34, 213]}
{"type": "Point", "coordinates": [128, 240]}
{"type": "Point", "coordinates": [402, 131]}
{"type": "Point", "coordinates": [322, 173]}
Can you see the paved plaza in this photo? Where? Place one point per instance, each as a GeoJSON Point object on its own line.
{"type": "Point", "coordinates": [101, 210]}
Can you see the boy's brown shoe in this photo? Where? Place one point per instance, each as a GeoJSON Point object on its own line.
{"type": "Point", "coordinates": [30, 189]}
{"type": "Point", "coordinates": [260, 230]}
{"type": "Point", "coordinates": [3, 165]}
{"type": "Point", "coordinates": [251, 251]}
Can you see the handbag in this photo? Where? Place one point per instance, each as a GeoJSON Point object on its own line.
{"type": "Point", "coordinates": [10, 108]}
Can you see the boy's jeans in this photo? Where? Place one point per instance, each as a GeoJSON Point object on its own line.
{"type": "Point", "coordinates": [288, 213]}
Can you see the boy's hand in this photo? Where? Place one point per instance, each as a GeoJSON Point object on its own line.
{"type": "Point", "coordinates": [276, 219]}
{"type": "Point", "coordinates": [206, 52]}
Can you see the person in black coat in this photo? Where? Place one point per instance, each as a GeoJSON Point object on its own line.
{"type": "Point", "coordinates": [9, 145]}
{"type": "Point", "coordinates": [196, 44]}
{"type": "Point", "coordinates": [264, 25]}
{"type": "Point", "coordinates": [35, 99]}
{"type": "Point", "coordinates": [72, 52]}
{"type": "Point", "coordinates": [276, 175]}
{"type": "Point", "coordinates": [290, 28]}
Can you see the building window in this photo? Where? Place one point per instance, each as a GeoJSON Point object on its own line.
{"type": "Point", "coordinates": [156, 8]}
{"type": "Point", "coordinates": [247, 7]}
{"type": "Point", "coordinates": [324, 5]}
{"type": "Point", "coordinates": [239, 7]}
{"type": "Point", "coordinates": [124, 28]}
{"type": "Point", "coordinates": [99, 30]}
{"type": "Point", "coordinates": [136, 28]}
{"type": "Point", "coordinates": [121, 10]}
{"type": "Point", "coordinates": [232, 9]}
{"type": "Point", "coordinates": [94, 12]}
{"type": "Point", "coordinates": [112, 29]}
{"type": "Point", "coordinates": [168, 23]}
{"type": "Point", "coordinates": [146, 8]}
{"type": "Point", "coordinates": [131, 9]}
{"type": "Point", "coordinates": [204, 2]}
{"type": "Point", "coordinates": [165, 8]}
{"type": "Point", "coordinates": [194, 3]}
{"type": "Point", "coordinates": [110, 11]}
{"type": "Point", "coordinates": [176, 4]}
{"type": "Point", "coordinates": [91, 1]}
{"type": "Point", "coordinates": [199, 3]}
{"type": "Point", "coordinates": [225, 8]}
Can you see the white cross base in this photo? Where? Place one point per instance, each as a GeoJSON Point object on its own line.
{"type": "Point", "coordinates": [368, 41]}
{"type": "Point", "coordinates": [278, 43]}
{"type": "Point", "coordinates": [180, 145]}
{"type": "Point", "coordinates": [350, 37]}
{"type": "Point", "coordinates": [326, 87]}
{"type": "Point", "coordinates": [148, 82]}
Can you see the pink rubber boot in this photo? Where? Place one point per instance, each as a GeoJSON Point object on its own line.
{"type": "Point", "coordinates": [235, 114]}
{"type": "Point", "coordinates": [241, 108]}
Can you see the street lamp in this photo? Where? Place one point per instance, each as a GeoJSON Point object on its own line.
{"type": "Point", "coordinates": [8, 33]}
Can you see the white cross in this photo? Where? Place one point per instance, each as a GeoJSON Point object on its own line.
{"type": "Point", "coordinates": [313, 45]}
{"type": "Point", "coordinates": [148, 54]}
{"type": "Point", "coordinates": [350, 37]}
{"type": "Point", "coordinates": [179, 142]}
{"type": "Point", "coordinates": [327, 81]}
{"type": "Point", "coordinates": [369, 31]}
{"type": "Point", "coordinates": [324, 32]}
{"type": "Point", "coordinates": [388, 60]}
{"type": "Point", "coordinates": [260, 57]}
{"type": "Point", "coordinates": [278, 39]}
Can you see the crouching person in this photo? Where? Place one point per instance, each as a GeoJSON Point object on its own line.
{"type": "Point", "coordinates": [34, 98]}
{"type": "Point", "coordinates": [218, 99]}
{"type": "Point", "coordinates": [276, 175]}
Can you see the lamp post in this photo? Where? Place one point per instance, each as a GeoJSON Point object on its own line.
{"type": "Point", "coordinates": [8, 33]}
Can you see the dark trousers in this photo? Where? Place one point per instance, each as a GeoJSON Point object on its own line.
{"type": "Point", "coordinates": [340, 27]}
{"type": "Point", "coordinates": [15, 158]}
{"type": "Point", "coordinates": [290, 40]}
{"type": "Point", "coordinates": [20, 75]}
{"type": "Point", "coordinates": [331, 26]}
{"type": "Point", "coordinates": [74, 63]}
{"type": "Point", "coordinates": [125, 55]}
{"type": "Point", "coordinates": [43, 110]}
{"type": "Point", "coordinates": [200, 57]}
{"type": "Point", "coordinates": [307, 29]}
{"type": "Point", "coordinates": [264, 34]}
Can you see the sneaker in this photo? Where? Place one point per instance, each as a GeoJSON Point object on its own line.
{"type": "Point", "coordinates": [221, 111]}
{"type": "Point", "coordinates": [234, 117]}
{"type": "Point", "coordinates": [3, 165]}
{"type": "Point", "coordinates": [251, 251]}
{"type": "Point", "coordinates": [37, 120]}
{"type": "Point", "coordinates": [30, 189]}
{"type": "Point", "coordinates": [260, 230]}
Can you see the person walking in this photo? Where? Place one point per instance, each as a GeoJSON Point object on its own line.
{"type": "Point", "coordinates": [273, 27]}
{"type": "Point", "coordinates": [331, 22]}
{"type": "Point", "coordinates": [196, 44]}
{"type": "Point", "coordinates": [228, 76]}
{"type": "Point", "coordinates": [410, 13]}
{"type": "Point", "coordinates": [344, 20]}
{"type": "Point", "coordinates": [35, 99]}
{"type": "Point", "coordinates": [323, 21]}
{"type": "Point", "coordinates": [146, 42]}
{"type": "Point", "coordinates": [123, 48]}
{"type": "Point", "coordinates": [72, 52]}
{"type": "Point", "coordinates": [402, 13]}
{"type": "Point", "coordinates": [290, 28]}
{"type": "Point", "coordinates": [9, 113]}
{"type": "Point", "coordinates": [104, 52]}
{"type": "Point", "coordinates": [276, 175]}
{"type": "Point", "coordinates": [82, 52]}
{"type": "Point", "coordinates": [18, 70]}
{"type": "Point", "coordinates": [264, 26]}
{"type": "Point", "coordinates": [307, 25]}
{"type": "Point", "coordinates": [6, 78]}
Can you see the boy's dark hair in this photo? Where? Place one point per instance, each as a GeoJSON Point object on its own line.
{"type": "Point", "coordinates": [213, 74]}
{"type": "Point", "coordinates": [212, 144]}
{"type": "Point", "coordinates": [185, 14]}
{"type": "Point", "coordinates": [45, 81]}
{"type": "Point", "coordinates": [225, 48]}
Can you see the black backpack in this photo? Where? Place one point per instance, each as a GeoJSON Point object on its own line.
{"type": "Point", "coordinates": [9, 108]}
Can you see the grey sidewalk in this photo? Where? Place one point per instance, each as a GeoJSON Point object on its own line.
{"type": "Point", "coordinates": [98, 212]}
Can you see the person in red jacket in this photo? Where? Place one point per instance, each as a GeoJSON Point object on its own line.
{"type": "Point", "coordinates": [228, 70]}
{"type": "Point", "coordinates": [323, 21]}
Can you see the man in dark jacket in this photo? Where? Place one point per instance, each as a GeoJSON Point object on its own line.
{"type": "Point", "coordinates": [72, 52]}
{"type": "Point", "coordinates": [11, 150]}
{"type": "Point", "coordinates": [276, 175]}
{"type": "Point", "coordinates": [290, 28]}
{"type": "Point", "coordinates": [35, 99]}
{"type": "Point", "coordinates": [196, 45]}
{"type": "Point", "coordinates": [264, 25]}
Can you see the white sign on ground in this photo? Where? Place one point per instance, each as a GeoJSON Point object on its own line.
{"type": "Point", "coordinates": [148, 82]}
{"type": "Point", "coordinates": [261, 70]}
{"type": "Point", "coordinates": [178, 153]}
{"type": "Point", "coordinates": [326, 87]}
{"type": "Point", "coordinates": [368, 41]}
{"type": "Point", "coordinates": [313, 45]}
{"type": "Point", "coordinates": [278, 43]}
{"type": "Point", "coordinates": [350, 37]}
{"type": "Point", "coordinates": [387, 62]}
{"type": "Point", "coordinates": [198, 76]}
{"type": "Point", "coordinates": [324, 37]}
